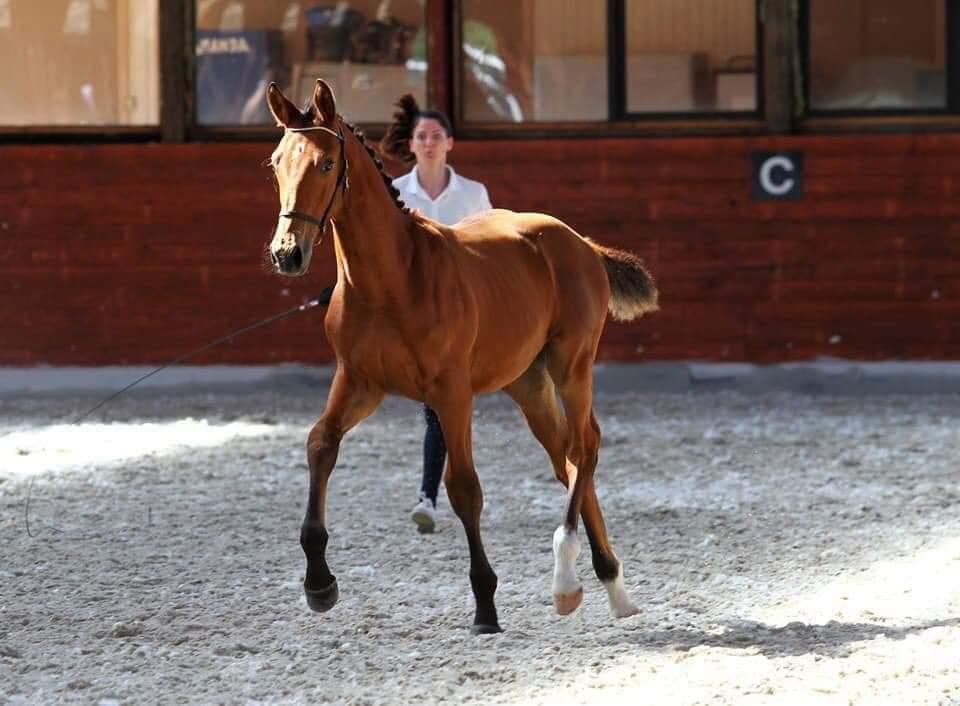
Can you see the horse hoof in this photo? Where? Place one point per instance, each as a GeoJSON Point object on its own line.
{"type": "Point", "coordinates": [485, 629]}
{"type": "Point", "coordinates": [566, 603]}
{"type": "Point", "coordinates": [321, 600]}
{"type": "Point", "coordinates": [625, 611]}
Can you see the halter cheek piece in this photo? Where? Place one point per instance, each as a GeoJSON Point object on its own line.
{"type": "Point", "coordinates": [342, 181]}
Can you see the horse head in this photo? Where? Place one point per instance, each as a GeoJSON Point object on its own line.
{"type": "Point", "coordinates": [310, 164]}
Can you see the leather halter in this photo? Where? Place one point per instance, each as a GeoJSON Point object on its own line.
{"type": "Point", "coordinates": [342, 180]}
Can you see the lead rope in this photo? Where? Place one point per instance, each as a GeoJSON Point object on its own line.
{"type": "Point", "coordinates": [321, 300]}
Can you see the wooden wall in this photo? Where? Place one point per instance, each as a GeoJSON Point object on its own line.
{"type": "Point", "coordinates": [113, 254]}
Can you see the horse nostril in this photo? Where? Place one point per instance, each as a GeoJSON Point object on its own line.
{"type": "Point", "coordinates": [287, 260]}
{"type": "Point", "coordinates": [295, 258]}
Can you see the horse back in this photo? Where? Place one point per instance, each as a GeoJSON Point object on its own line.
{"type": "Point", "coordinates": [520, 244]}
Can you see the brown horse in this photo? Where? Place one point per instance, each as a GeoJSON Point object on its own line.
{"type": "Point", "coordinates": [501, 301]}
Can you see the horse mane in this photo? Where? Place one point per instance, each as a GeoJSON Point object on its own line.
{"type": "Point", "coordinates": [387, 179]}
{"type": "Point", "coordinates": [378, 163]}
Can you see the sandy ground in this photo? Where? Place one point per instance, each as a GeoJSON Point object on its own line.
{"type": "Point", "coordinates": [784, 549]}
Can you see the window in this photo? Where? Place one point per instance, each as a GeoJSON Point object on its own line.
{"type": "Point", "coordinates": [600, 60]}
{"type": "Point", "coordinates": [534, 60]}
{"type": "Point", "coordinates": [877, 55]}
{"type": "Point", "coordinates": [690, 56]}
{"type": "Point", "coordinates": [370, 52]}
{"type": "Point", "coordinates": [79, 63]}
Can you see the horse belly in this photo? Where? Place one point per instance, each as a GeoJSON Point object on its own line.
{"type": "Point", "coordinates": [504, 352]}
{"type": "Point", "coordinates": [515, 313]}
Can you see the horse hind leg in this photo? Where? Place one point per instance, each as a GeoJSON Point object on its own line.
{"type": "Point", "coordinates": [535, 394]}
{"type": "Point", "coordinates": [606, 565]}
{"type": "Point", "coordinates": [576, 391]}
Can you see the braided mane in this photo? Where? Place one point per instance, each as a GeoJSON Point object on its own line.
{"type": "Point", "coordinates": [361, 138]}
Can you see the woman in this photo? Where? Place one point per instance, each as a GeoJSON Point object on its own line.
{"type": "Point", "coordinates": [435, 190]}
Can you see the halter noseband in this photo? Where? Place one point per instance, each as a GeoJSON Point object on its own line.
{"type": "Point", "coordinates": [341, 178]}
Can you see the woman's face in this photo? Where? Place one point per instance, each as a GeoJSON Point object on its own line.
{"type": "Point", "coordinates": [430, 142]}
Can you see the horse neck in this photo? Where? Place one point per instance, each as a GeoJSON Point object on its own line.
{"type": "Point", "coordinates": [372, 233]}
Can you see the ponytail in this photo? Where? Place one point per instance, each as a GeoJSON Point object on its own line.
{"type": "Point", "coordinates": [396, 142]}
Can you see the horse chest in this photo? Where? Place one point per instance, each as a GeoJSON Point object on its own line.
{"type": "Point", "coordinates": [381, 352]}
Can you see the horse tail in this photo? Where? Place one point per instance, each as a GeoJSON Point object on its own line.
{"type": "Point", "coordinates": [632, 289]}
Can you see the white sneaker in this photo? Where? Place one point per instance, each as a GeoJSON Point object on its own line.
{"type": "Point", "coordinates": [425, 516]}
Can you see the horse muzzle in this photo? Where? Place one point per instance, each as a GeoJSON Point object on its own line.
{"type": "Point", "coordinates": [289, 260]}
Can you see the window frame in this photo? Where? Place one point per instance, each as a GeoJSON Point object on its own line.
{"type": "Point", "coordinates": [783, 94]}
{"type": "Point", "coordinates": [30, 134]}
{"type": "Point", "coordinates": [433, 22]}
{"type": "Point", "coordinates": [623, 124]}
{"type": "Point", "coordinates": [881, 119]}
{"type": "Point", "coordinates": [617, 75]}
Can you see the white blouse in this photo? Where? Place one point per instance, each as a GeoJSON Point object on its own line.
{"type": "Point", "coordinates": [463, 197]}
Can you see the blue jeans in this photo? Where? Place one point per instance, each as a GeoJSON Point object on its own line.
{"type": "Point", "coordinates": [434, 455]}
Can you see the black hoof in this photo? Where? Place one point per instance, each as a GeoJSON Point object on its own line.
{"type": "Point", "coordinates": [321, 600]}
{"type": "Point", "coordinates": [485, 629]}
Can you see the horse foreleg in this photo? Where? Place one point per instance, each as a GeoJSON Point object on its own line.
{"type": "Point", "coordinates": [350, 401]}
{"type": "Point", "coordinates": [466, 499]}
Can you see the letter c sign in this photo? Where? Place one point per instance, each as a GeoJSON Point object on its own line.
{"type": "Point", "coordinates": [777, 175]}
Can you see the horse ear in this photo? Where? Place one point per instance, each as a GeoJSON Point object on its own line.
{"type": "Point", "coordinates": [324, 103]}
{"type": "Point", "coordinates": [283, 110]}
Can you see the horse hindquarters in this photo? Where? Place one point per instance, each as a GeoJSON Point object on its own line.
{"type": "Point", "coordinates": [585, 290]}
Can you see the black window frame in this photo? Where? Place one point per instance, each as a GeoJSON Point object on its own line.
{"type": "Point", "coordinates": [167, 10]}
{"type": "Point", "coordinates": [898, 115]}
{"type": "Point", "coordinates": [617, 75]}
{"type": "Point", "coordinates": [196, 132]}
{"type": "Point", "coordinates": [782, 92]}
{"type": "Point", "coordinates": [678, 124]}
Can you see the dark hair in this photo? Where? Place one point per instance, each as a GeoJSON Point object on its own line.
{"type": "Point", "coordinates": [396, 142]}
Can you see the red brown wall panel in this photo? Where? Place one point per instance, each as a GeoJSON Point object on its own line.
{"type": "Point", "coordinates": [134, 254]}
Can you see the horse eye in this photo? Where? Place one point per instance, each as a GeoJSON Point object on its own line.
{"type": "Point", "coordinates": [326, 166]}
